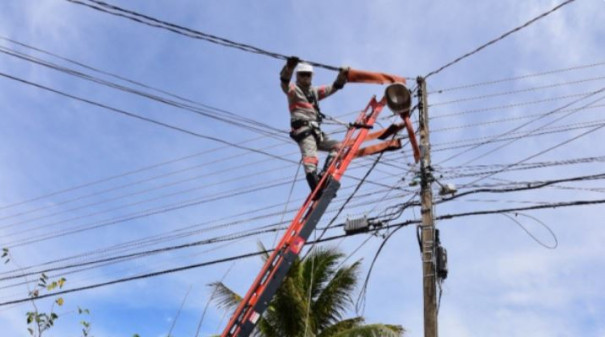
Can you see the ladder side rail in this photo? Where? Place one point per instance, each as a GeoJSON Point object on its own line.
{"type": "Point", "coordinates": [244, 310]}
{"type": "Point", "coordinates": [276, 267]}
{"type": "Point", "coordinates": [290, 253]}
{"type": "Point", "coordinates": [246, 304]}
{"type": "Point", "coordinates": [337, 170]}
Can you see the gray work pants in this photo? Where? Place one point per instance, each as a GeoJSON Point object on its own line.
{"type": "Point", "coordinates": [309, 147]}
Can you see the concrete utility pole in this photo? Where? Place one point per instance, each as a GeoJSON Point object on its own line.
{"type": "Point", "coordinates": [429, 270]}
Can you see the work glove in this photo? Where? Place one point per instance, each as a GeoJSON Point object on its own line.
{"type": "Point", "coordinates": [286, 73]}
{"type": "Point", "coordinates": [292, 61]}
{"type": "Point", "coordinates": [341, 79]}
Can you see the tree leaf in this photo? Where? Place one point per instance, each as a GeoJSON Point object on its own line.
{"type": "Point", "coordinates": [61, 282]}
{"type": "Point", "coordinates": [59, 301]}
{"type": "Point", "coordinates": [51, 286]}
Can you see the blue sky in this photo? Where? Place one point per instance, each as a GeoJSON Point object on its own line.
{"type": "Point", "coordinates": [501, 282]}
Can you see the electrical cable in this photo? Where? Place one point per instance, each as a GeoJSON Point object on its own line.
{"type": "Point", "coordinates": [153, 22]}
{"type": "Point", "coordinates": [525, 186]}
{"type": "Point", "coordinates": [146, 119]}
{"type": "Point", "coordinates": [360, 303]}
{"type": "Point", "coordinates": [459, 171]}
{"type": "Point", "coordinates": [140, 84]}
{"type": "Point", "coordinates": [350, 197]}
{"type": "Point", "coordinates": [128, 173]}
{"type": "Point", "coordinates": [132, 216]}
{"type": "Point", "coordinates": [284, 212]}
{"type": "Point", "coordinates": [208, 112]}
{"type": "Point", "coordinates": [243, 256]}
{"type": "Point", "coordinates": [159, 250]}
{"type": "Point", "coordinates": [161, 209]}
{"type": "Point", "coordinates": [176, 317]}
{"type": "Point", "coordinates": [534, 120]}
{"type": "Point", "coordinates": [514, 30]}
{"type": "Point", "coordinates": [506, 93]}
{"type": "Point", "coordinates": [199, 324]}
{"type": "Point", "coordinates": [506, 106]}
{"type": "Point", "coordinates": [154, 274]}
{"type": "Point", "coordinates": [544, 151]}
{"type": "Point", "coordinates": [514, 136]}
{"type": "Point", "coordinates": [132, 194]}
{"type": "Point", "coordinates": [556, 242]}
{"type": "Point", "coordinates": [515, 78]}
{"type": "Point", "coordinates": [508, 120]}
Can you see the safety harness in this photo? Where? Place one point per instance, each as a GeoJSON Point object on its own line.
{"type": "Point", "coordinates": [313, 125]}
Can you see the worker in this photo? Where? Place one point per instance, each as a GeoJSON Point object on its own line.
{"type": "Point", "coordinates": [305, 116]}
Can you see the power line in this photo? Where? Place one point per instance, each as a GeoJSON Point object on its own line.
{"type": "Point", "coordinates": [174, 206]}
{"type": "Point", "coordinates": [48, 266]}
{"type": "Point", "coordinates": [350, 196]}
{"type": "Point", "coordinates": [498, 39]}
{"type": "Point", "coordinates": [534, 120]}
{"type": "Point", "coordinates": [117, 176]}
{"type": "Point", "coordinates": [153, 22]}
{"type": "Point", "coordinates": [140, 84]}
{"type": "Point", "coordinates": [520, 209]}
{"type": "Point", "coordinates": [511, 119]}
{"type": "Point", "coordinates": [79, 198]}
{"type": "Point", "coordinates": [179, 233]}
{"type": "Point", "coordinates": [131, 184]}
{"type": "Point", "coordinates": [475, 142]}
{"type": "Point", "coordinates": [508, 106]}
{"type": "Point", "coordinates": [472, 171]}
{"type": "Point", "coordinates": [204, 110]}
{"type": "Point", "coordinates": [545, 151]}
{"type": "Point", "coordinates": [137, 215]}
{"type": "Point", "coordinates": [526, 186]}
{"type": "Point", "coordinates": [515, 78]}
{"type": "Point", "coordinates": [159, 273]}
{"type": "Point", "coordinates": [510, 92]}
{"type": "Point", "coordinates": [146, 119]}
{"type": "Point", "coordinates": [243, 256]}
{"type": "Point", "coordinates": [132, 194]}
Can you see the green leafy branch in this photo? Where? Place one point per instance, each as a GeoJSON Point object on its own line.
{"type": "Point", "coordinates": [38, 322]}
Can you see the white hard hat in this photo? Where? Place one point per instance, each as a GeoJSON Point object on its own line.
{"type": "Point", "coordinates": [304, 68]}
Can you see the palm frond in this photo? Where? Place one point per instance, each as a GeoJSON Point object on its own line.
{"type": "Point", "coordinates": [224, 297]}
{"type": "Point", "coordinates": [341, 326]}
{"type": "Point", "coordinates": [318, 268]}
{"type": "Point", "coordinates": [290, 314]}
{"type": "Point", "coordinates": [335, 298]}
{"type": "Point", "coordinates": [373, 330]}
{"type": "Point", "coordinates": [288, 307]}
{"type": "Point", "coordinates": [261, 248]}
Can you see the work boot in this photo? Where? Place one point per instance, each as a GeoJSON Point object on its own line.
{"type": "Point", "coordinates": [327, 164]}
{"type": "Point", "coordinates": [313, 180]}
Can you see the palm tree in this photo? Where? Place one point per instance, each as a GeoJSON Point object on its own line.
{"type": "Point", "coordinates": [312, 300]}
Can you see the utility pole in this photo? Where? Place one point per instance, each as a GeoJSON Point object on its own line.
{"type": "Point", "coordinates": [427, 237]}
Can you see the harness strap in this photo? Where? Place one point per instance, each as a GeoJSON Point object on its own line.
{"type": "Point", "coordinates": [313, 101]}
{"type": "Point", "coordinates": [298, 137]}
